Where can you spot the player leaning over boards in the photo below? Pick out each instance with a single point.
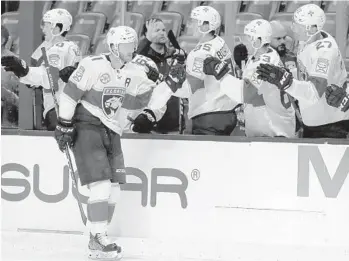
(267, 111)
(211, 112)
(321, 85)
(62, 55)
(106, 96)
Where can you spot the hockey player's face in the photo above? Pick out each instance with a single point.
(46, 30)
(126, 51)
(198, 31)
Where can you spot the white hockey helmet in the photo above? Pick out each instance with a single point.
(58, 16)
(258, 28)
(310, 15)
(206, 14)
(121, 34)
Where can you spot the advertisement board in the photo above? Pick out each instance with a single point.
(275, 193)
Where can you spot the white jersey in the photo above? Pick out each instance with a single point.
(60, 55)
(203, 91)
(268, 112)
(320, 64)
(135, 71)
(107, 93)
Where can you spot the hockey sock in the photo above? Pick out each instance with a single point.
(113, 200)
(97, 206)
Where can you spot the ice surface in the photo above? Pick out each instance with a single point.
(30, 246)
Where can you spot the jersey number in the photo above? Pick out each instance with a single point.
(324, 44)
(284, 97)
(205, 47)
(140, 61)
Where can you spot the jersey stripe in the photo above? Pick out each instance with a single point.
(319, 83)
(195, 83)
(72, 90)
(137, 102)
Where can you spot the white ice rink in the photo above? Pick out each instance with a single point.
(29, 246)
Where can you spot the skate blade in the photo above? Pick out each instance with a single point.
(107, 256)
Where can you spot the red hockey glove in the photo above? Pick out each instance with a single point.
(176, 77)
(337, 97)
(179, 55)
(214, 66)
(278, 76)
(153, 74)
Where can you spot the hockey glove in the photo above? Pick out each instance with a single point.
(15, 65)
(65, 73)
(179, 55)
(153, 74)
(144, 122)
(217, 68)
(240, 54)
(176, 77)
(337, 97)
(278, 76)
(65, 134)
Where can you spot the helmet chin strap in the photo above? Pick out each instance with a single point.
(310, 36)
(254, 48)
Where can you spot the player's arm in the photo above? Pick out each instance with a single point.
(306, 92)
(171, 85)
(36, 76)
(137, 97)
(229, 84)
(80, 81)
(313, 89)
(27, 75)
(158, 97)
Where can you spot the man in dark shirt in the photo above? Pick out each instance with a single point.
(154, 46)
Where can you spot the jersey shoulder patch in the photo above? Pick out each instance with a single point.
(195, 62)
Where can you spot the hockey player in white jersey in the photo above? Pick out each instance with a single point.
(211, 112)
(93, 112)
(62, 55)
(267, 111)
(142, 69)
(321, 85)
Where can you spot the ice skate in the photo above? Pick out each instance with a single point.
(101, 248)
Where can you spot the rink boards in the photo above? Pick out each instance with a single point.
(202, 193)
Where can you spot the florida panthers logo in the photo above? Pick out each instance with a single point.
(112, 100)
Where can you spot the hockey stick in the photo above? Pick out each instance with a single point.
(174, 42)
(298, 116)
(53, 87)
